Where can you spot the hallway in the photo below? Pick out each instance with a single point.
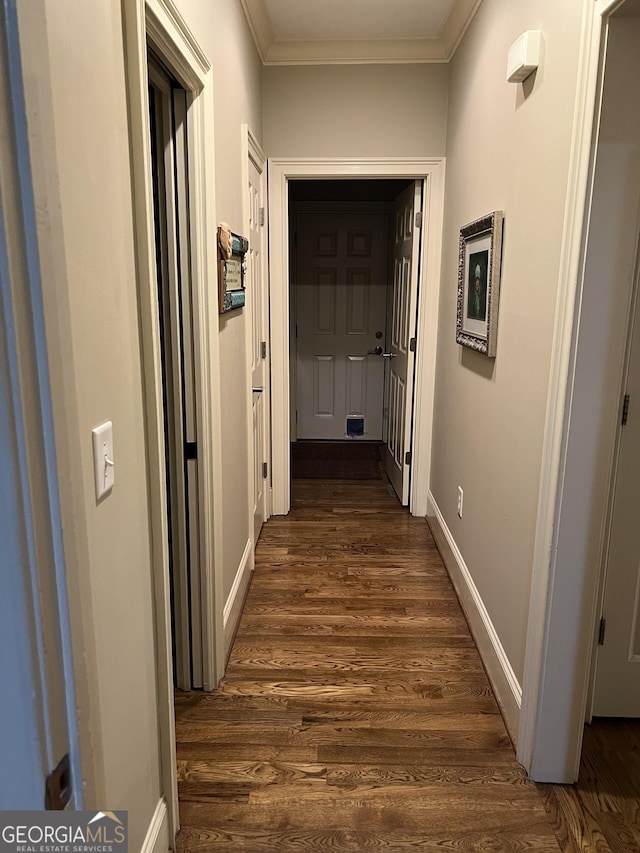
(355, 713)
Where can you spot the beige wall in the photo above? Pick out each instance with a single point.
(507, 149)
(226, 40)
(78, 129)
(504, 151)
(75, 71)
(355, 110)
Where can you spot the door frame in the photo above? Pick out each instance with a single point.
(282, 170)
(573, 496)
(158, 24)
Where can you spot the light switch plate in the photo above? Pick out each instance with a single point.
(103, 467)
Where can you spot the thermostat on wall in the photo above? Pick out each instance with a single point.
(524, 56)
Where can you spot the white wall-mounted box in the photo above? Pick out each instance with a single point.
(524, 56)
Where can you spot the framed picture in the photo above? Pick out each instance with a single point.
(479, 263)
(231, 269)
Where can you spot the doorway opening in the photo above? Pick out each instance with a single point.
(612, 255)
(284, 171)
(169, 173)
(353, 290)
(584, 421)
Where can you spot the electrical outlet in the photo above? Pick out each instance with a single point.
(460, 499)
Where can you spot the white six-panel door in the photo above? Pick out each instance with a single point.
(340, 296)
(258, 305)
(401, 328)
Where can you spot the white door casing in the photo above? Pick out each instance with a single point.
(340, 304)
(258, 346)
(159, 24)
(281, 171)
(401, 316)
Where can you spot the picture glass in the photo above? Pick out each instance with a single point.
(233, 274)
(478, 268)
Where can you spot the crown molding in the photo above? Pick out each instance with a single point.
(357, 52)
(457, 24)
(260, 26)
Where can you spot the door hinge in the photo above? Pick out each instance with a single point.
(407, 458)
(261, 216)
(263, 349)
(190, 450)
(625, 410)
(601, 631)
(418, 219)
(412, 345)
(265, 470)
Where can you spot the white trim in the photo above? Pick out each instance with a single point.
(457, 25)
(167, 29)
(356, 52)
(496, 663)
(159, 23)
(157, 838)
(237, 594)
(281, 170)
(260, 26)
(556, 673)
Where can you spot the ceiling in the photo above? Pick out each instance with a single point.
(318, 32)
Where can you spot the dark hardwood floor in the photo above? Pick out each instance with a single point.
(355, 714)
(601, 813)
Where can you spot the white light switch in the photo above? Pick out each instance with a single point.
(103, 461)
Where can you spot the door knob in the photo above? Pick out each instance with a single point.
(376, 351)
(388, 354)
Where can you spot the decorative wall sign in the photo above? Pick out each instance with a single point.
(479, 263)
(232, 267)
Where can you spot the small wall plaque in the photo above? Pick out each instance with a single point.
(232, 250)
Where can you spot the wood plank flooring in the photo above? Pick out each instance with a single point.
(355, 714)
(601, 813)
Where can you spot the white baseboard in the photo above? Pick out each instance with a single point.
(501, 675)
(157, 837)
(235, 602)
